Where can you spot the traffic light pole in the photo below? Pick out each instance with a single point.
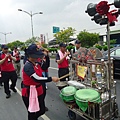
(109, 68)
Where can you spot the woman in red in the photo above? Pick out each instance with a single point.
(32, 89)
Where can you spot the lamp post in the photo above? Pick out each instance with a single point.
(5, 35)
(31, 15)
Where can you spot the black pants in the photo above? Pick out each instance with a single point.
(62, 72)
(1, 80)
(6, 76)
(35, 115)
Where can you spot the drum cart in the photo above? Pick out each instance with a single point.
(105, 85)
(107, 109)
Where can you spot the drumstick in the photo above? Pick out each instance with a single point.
(65, 75)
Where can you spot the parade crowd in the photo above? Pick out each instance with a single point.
(34, 74)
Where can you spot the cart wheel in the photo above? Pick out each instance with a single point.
(71, 115)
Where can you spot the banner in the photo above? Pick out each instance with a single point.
(81, 71)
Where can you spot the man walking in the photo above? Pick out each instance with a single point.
(16, 63)
(7, 70)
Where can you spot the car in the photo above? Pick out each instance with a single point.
(115, 54)
(22, 54)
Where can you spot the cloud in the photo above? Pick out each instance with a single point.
(61, 13)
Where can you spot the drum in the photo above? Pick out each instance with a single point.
(61, 84)
(67, 93)
(84, 96)
(76, 84)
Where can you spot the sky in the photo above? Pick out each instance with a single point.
(59, 13)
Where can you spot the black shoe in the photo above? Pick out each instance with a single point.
(8, 96)
(1, 84)
(46, 109)
(13, 89)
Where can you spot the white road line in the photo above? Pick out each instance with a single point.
(43, 116)
(53, 68)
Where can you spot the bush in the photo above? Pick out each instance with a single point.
(69, 47)
(98, 46)
(105, 47)
(52, 49)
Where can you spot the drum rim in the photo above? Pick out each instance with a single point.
(87, 100)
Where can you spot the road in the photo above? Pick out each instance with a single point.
(14, 109)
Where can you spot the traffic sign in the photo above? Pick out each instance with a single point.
(56, 29)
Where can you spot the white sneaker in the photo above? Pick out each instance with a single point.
(46, 87)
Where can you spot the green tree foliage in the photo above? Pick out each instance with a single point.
(64, 35)
(16, 43)
(98, 46)
(88, 39)
(31, 40)
(44, 45)
(112, 42)
(70, 47)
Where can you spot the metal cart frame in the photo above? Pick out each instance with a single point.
(107, 109)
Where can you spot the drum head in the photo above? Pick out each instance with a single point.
(87, 95)
(61, 84)
(69, 90)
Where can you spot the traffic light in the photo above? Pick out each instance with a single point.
(101, 14)
(91, 9)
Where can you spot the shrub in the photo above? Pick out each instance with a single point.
(98, 46)
(105, 47)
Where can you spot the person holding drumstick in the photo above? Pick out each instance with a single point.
(62, 61)
(32, 83)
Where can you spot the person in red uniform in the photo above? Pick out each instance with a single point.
(32, 89)
(1, 82)
(62, 60)
(45, 62)
(17, 64)
(7, 70)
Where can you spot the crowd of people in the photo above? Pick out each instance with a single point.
(34, 74)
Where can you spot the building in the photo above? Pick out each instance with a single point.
(55, 43)
(114, 35)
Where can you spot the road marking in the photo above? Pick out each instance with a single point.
(53, 68)
(43, 116)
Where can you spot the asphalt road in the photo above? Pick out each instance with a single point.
(14, 109)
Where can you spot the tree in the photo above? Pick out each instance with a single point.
(112, 42)
(16, 43)
(44, 45)
(88, 39)
(31, 40)
(64, 35)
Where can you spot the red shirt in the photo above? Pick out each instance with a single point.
(7, 65)
(27, 80)
(64, 64)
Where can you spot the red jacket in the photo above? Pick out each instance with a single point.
(7, 65)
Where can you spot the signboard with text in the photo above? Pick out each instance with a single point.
(56, 29)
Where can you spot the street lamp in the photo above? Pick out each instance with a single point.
(31, 15)
(5, 35)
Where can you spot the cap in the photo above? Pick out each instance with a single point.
(77, 42)
(15, 47)
(34, 52)
(4, 46)
(62, 45)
